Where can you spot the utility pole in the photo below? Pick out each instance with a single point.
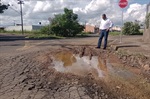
(21, 2)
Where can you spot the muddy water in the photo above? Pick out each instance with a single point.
(68, 62)
(114, 74)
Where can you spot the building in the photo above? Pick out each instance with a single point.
(25, 28)
(91, 29)
(116, 28)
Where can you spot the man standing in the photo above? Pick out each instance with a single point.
(105, 26)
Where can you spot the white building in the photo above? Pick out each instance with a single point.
(116, 28)
(25, 28)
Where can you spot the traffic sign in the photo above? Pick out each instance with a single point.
(123, 3)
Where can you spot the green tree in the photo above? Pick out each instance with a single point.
(131, 28)
(127, 28)
(3, 7)
(66, 24)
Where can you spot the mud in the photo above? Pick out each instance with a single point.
(104, 66)
(79, 72)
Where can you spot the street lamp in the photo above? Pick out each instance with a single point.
(21, 2)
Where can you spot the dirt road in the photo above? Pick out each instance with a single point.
(66, 69)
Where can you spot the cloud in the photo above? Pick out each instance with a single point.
(88, 11)
(135, 12)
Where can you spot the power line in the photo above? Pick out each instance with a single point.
(14, 9)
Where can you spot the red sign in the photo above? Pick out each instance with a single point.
(123, 3)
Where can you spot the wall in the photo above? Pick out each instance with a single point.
(36, 27)
(18, 28)
(25, 28)
(89, 28)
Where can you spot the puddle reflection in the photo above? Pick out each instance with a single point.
(67, 58)
(68, 62)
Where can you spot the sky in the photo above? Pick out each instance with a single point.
(89, 11)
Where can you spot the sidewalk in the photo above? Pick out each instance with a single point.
(132, 44)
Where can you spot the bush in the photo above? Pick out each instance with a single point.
(45, 30)
(65, 25)
(131, 28)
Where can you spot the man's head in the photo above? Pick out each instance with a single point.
(104, 16)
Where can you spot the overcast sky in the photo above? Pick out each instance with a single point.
(89, 11)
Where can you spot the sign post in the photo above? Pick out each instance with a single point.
(122, 4)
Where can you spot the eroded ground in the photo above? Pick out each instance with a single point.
(71, 72)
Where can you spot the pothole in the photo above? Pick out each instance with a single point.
(102, 65)
(73, 63)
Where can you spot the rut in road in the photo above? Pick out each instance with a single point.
(33, 76)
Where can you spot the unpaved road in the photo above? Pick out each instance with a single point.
(29, 69)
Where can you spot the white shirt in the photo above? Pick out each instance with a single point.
(105, 24)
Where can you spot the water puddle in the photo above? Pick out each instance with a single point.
(68, 62)
(114, 74)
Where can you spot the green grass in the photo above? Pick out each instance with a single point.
(39, 35)
(19, 32)
(114, 33)
(33, 34)
(43, 36)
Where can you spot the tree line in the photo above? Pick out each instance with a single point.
(67, 24)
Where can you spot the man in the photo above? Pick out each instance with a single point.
(105, 26)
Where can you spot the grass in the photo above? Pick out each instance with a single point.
(38, 35)
(114, 33)
(118, 33)
(17, 32)
(44, 36)
(32, 34)
(82, 34)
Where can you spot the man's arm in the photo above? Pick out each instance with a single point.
(110, 26)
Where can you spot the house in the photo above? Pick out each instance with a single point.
(26, 28)
(91, 29)
(116, 28)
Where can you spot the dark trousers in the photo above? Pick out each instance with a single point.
(103, 33)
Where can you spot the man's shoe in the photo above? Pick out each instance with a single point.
(104, 48)
(97, 47)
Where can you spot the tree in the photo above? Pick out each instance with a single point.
(126, 28)
(45, 30)
(3, 7)
(131, 28)
(66, 24)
